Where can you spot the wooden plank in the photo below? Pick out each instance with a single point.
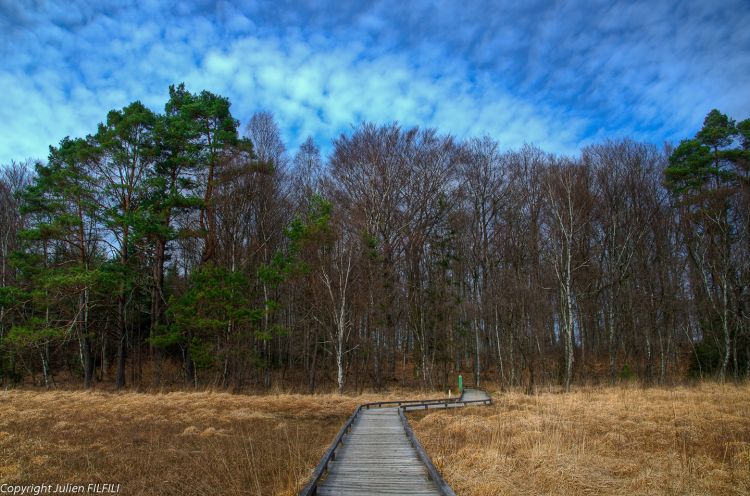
(381, 456)
(377, 458)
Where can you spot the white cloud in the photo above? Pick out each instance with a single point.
(557, 75)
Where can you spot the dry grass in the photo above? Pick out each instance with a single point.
(173, 443)
(594, 441)
(597, 441)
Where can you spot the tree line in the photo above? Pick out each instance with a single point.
(177, 248)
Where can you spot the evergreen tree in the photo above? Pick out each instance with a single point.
(708, 176)
(61, 246)
(127, 154)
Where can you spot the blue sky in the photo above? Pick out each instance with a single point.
(557, 74)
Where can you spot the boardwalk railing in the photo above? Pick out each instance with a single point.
(381, 404)
(442, 486)
(444, 404)
(312, 488)
(330, 455)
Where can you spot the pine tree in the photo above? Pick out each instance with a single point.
(59, 263)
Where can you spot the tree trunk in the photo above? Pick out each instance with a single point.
(105, 360)
(340, 343)
(611, 344)
(45, 364)
(207, 215)
(88, 362)
(340, 369)
(313, 362)
(190, 376)
(120, 372)
(477, 364)
(569, 342)
(725, 329)
(157, 293)
(500, 368)
(662, 357)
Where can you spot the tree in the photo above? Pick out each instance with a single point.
(483, 181)
(322, 252)
(62, 203)
(368, 180)
(216, 300)
(14, 178)
(127, 153)
(621, 184)
(520, 306)
(406, 256)
(171, 191)
(213, 132)
(568, 210)
(265, 135)
(708, 177)
(307, 171)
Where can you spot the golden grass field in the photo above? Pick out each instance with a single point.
(185, 443)
(594, 441)
(606, 441)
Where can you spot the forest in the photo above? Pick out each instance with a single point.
(182, 250)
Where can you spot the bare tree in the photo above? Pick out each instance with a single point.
(308, 170)
(265, 135)
(14, 177)
(568, 210)
(618, 175)
(483, 181)
(335, 275)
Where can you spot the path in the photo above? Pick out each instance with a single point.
(379, 458)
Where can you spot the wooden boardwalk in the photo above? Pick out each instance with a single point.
(378, 458)
(474, 395)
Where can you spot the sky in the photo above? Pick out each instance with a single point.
(560, 75)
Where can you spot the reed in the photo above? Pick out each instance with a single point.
(596, 441)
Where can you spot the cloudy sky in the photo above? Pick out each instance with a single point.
(557, 74)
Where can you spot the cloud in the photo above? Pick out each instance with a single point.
(556, 74)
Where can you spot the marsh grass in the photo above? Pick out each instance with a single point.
(626, 440)
(185, 443)
(596, 441)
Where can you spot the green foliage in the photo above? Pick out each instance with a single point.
(370, 243)
(126, 132)
(69, 278)
(202, 353)
(690, 166)
(718, 130)
(627, 373)
(172, 187)
(276, 271)
(101, 208)
(205, 119)
(708, 159)
(34, 332)
(11, 296)
(313, 226)
(705, 359)
(305, 232)
(215, 298)
(168, 336)
(743, 129)
(62, 193)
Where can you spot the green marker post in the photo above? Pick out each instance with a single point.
(460, 384)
